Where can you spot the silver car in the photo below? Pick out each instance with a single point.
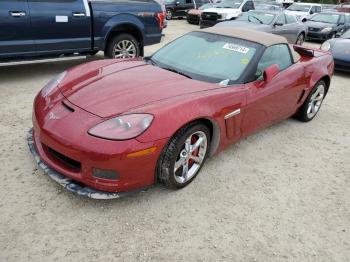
(275, 22)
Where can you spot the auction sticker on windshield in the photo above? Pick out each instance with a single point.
(236, 48)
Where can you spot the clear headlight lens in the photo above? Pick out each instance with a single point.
(326, 30)
(326, 46)
(50, 86)
(122, 127)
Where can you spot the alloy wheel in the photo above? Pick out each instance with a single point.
(191, 157)
(315, 101)
(125, 49)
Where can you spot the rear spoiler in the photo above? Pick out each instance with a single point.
(303, 51)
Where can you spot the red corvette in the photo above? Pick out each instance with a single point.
(109, 127)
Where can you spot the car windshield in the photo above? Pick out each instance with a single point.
(229, 4)
(346, 35)
(300, 8)
(257, 17)
(207, 57)
(325, 18)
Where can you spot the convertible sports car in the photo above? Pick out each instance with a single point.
(109, 127)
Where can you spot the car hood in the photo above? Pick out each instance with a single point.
(113, 88)
(318, 24)
(341, 49)
(254, 26)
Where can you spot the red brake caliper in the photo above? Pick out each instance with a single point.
(195, 153)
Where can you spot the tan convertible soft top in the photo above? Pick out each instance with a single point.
(263, 38)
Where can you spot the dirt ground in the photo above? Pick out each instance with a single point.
(282, 194)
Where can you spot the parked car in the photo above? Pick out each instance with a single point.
(54, 28)
(180, 8)
(304, 11)
(194, 15)
(326, 25)
(345, 8)
(189, 101)
(225, 10)
(340, 49)
(273, 22)
(285, 3)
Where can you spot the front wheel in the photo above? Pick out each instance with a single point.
(312, 103)
(123, 46)
(169, 14)
(184, 156)
(300, 39)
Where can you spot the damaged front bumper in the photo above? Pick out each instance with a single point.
(70, 184)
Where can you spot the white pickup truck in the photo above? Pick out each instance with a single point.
(225, 10)
(303, 11)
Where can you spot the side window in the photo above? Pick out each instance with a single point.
(347, 17)
(341, 20)
(189, 1)
(290, 19)
(248, 6)
(318, 9)
(313, 10)
(276, 54)
(281, 19)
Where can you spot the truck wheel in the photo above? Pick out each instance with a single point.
(169, 14)
(123, 46)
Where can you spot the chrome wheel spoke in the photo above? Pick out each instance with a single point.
(197, 144)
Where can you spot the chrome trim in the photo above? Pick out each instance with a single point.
(234, 113)
(87, 8)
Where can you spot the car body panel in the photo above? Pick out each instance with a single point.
(62, 118)
(340, 49)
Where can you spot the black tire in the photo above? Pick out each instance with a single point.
(169, 14)
(300, 39)
(302, 113)
(109, 52)
(165, 169)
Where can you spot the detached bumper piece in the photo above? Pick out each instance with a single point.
(70, 184)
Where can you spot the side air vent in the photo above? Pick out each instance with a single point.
(68, 107)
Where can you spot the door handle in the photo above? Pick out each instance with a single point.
(17, 13)
(79, 14)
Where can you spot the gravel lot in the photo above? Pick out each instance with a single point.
(282, 194)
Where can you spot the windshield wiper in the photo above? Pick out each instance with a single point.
(176, 71)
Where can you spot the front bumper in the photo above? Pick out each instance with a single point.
(318, 36)
(70, 184)
(341, 65)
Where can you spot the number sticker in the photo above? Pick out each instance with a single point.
(236, 48)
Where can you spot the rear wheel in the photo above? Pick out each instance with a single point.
(312, 103)
(123, 46)
(184, 156)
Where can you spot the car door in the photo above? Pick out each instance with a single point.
(280, 26)
(180, 8)
(291, 28)
(15, 30)
(277, 99)
(61, 25)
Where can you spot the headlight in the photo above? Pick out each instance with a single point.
(326, 46)
(50, 86)
(122, 127)
(326, 30)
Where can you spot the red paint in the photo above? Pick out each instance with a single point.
(100, 90)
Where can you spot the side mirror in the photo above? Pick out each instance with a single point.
(270, 72)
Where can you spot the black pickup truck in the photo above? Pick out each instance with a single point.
(41, 28)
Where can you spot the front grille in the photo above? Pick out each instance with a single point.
(314, 29)
(64, 159)
(210, 16)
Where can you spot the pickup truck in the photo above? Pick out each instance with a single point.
(52, 28)
(225, 10)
